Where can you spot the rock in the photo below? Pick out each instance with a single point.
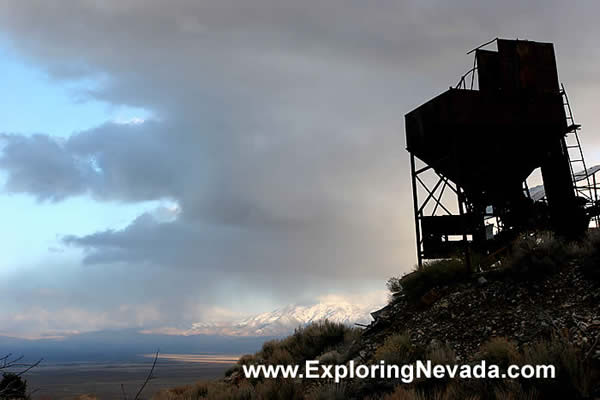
(430, 297)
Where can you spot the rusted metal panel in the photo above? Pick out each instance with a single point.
(442, 225)
(467, 135)
(488, 70)
(529, 66)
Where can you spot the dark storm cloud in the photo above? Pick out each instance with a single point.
(277, 126)
(41, 166)
(100, 162)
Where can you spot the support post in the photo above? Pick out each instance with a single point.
(595, 198)
(467, 250)
(413, 174)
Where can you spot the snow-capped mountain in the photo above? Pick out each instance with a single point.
(284, 320)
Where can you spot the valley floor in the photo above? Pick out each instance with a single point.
(67, 381)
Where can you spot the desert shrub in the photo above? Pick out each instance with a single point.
(330, 358)
(571, 380)
(275, 352)
(351, 335)
(243, 391)
(440, 354)
(397, 349)
(309, 342)
(268, 348)
(515, 391)
(281, 356)
(328, 341)
(199, 390)
(460, 390)
(535, 255)
(246, 359)
(589, 255)
(279, 389)
(12, 386)
(402, 393)
(499, 351)
(208, 391)
(328, 391)
(229, 371)
(433, 273)
(394, 286)
(350, 345)
(572, 374)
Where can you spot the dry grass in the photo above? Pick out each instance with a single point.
(589, 255)
(396, 349)
(573, 375)
(433, 273)
(534, 255)
(306, 343)
(328, 391)
(440, 354)
(572, 381)
(402, 393)
(328, 341)
(499, 351)
(208, 391)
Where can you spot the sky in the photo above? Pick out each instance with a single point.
(165, 163)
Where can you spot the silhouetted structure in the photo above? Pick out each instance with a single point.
(483, 144)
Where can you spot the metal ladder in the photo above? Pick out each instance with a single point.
(573, 145)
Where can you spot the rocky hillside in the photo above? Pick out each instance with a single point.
(489, 305)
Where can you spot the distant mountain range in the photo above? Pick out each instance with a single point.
(233, 337)
(284, 320)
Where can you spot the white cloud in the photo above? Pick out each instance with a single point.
(130, 121)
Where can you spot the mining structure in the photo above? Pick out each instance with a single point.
(473, 147)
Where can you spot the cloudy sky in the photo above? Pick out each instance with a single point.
(169, 162)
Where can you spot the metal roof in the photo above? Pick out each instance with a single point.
(537, 192)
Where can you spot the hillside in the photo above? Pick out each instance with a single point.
(539, 305)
